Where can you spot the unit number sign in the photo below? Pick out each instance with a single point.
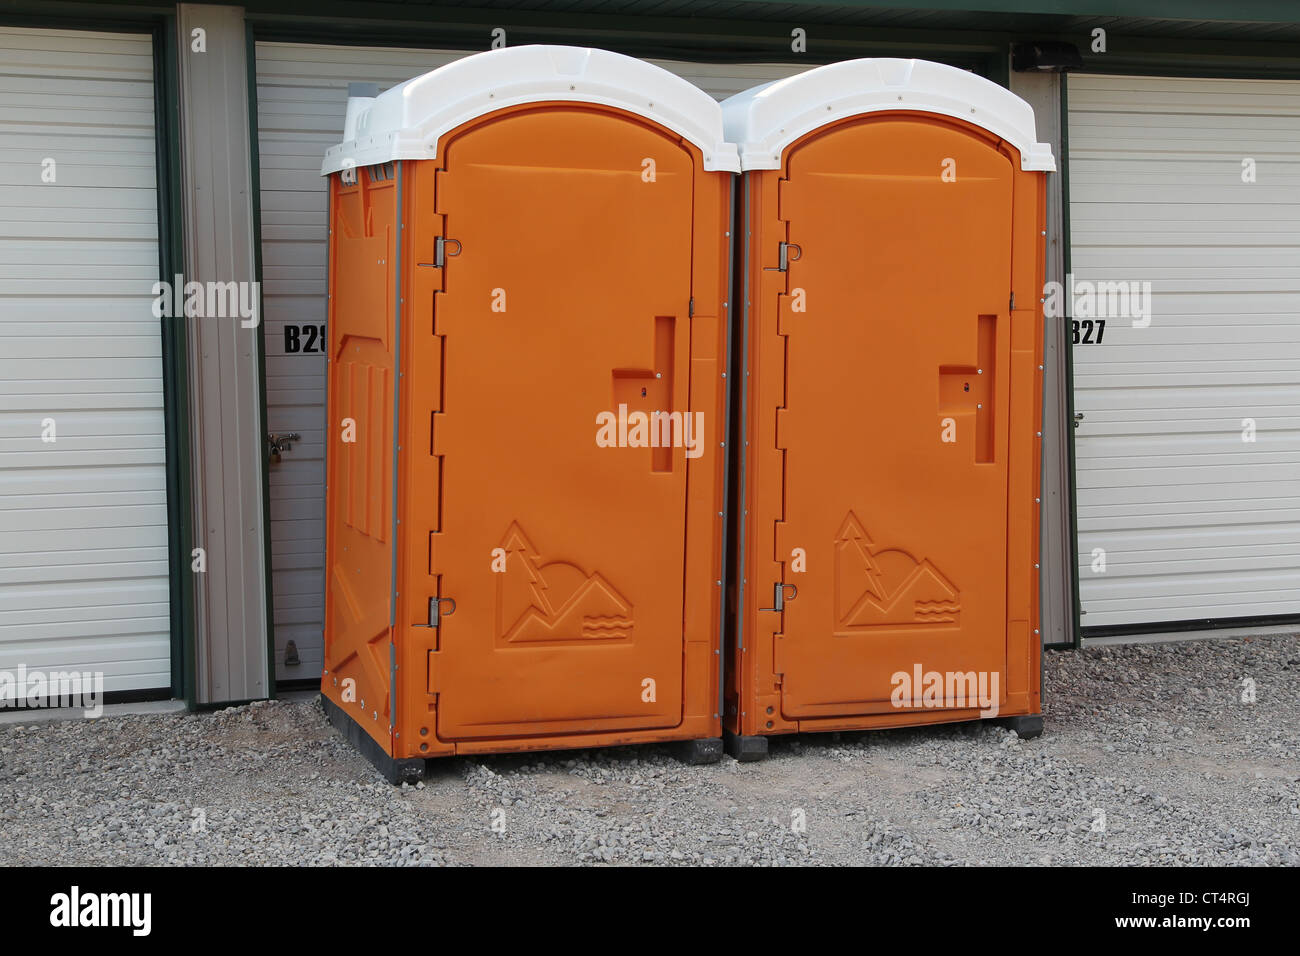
(1088, 331)
(304, 338)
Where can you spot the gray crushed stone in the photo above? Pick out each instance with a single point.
(1150, 757)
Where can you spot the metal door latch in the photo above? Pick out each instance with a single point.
(785, 258)
(441, 252)
(1078, 417)
(276, 444)
(779, 598)
(434, 604)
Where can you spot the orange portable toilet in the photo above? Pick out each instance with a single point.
(890, 351)
(528, 334)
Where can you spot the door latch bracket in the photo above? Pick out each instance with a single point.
(441, 252)
(785, 258)
(434, 617)
(779, 598)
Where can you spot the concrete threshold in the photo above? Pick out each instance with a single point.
(1208, 634)
(40, 715)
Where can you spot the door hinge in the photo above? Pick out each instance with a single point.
(690, 307)
(784, 258)
(441, 252)
(1013, 303)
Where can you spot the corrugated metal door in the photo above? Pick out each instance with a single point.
(1188, 449)
(83, 518)
(301, 100)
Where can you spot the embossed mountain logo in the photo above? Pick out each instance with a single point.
(556, 602)
(887, 586)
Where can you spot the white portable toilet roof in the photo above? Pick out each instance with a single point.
(407, 121)
(764, 120)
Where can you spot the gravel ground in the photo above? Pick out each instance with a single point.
(1150, 757)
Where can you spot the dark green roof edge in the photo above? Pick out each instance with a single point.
(1174, 12)
(1239, 11)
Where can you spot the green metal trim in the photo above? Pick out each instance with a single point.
(690, 38)
(255, 188)
(1265, 11)
(100, 18)
(1179, 11)
(999, 68)
(175, 354)
(1190, 56)
(1279, 622)
(1215, 11)
(1067, 343)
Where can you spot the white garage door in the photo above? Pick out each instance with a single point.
(301, 99)
(83, 518)
(1188, 450)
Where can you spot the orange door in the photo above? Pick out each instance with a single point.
(895, 418)
(568, 298)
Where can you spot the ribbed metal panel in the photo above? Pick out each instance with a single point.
(1195, 522)
(83, 520)
(226, 414)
